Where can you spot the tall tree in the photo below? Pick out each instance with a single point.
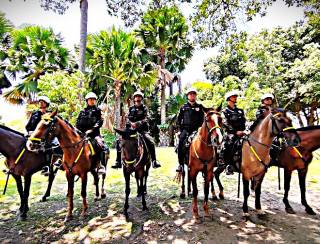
(34, 52)
(164, 33)
(114, 59)
(5, 42)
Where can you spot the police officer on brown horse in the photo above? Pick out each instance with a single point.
(44, 103)
(137, 118)
(234, 123)
(89, 122)
(265, 106)
(190, 118)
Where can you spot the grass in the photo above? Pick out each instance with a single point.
(45, 220)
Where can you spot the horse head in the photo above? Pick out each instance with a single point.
(282, 127)
(44, 133)
(131, 146)
(213, 121)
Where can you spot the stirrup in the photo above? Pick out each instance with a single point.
(179, 169)
(229, 170)
(101, 170)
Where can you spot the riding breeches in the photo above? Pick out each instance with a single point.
(181, 147)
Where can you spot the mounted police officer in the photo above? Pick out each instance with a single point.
(89, 122)
(265, 106)
(34, 120)
(137, 118)
(190, 118)
(234, 123)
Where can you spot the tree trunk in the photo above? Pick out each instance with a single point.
(117, 112)
(163, 88)
(171, 89)
(179, 85)
(83, 36)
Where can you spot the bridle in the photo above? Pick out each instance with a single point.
(210, 130)
(140, 152)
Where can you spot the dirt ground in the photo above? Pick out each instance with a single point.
(168, 219)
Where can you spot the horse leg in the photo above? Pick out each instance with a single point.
(103, 191)
(20, 191)
(287, 179)
(70, 179)
(144, 204)
(217, 173)
(257, 196)
(84, 180)
(246, 193)
(96, 183)
(146, 174)
(52, 174)
(138, 188)
(195, 213)
(126, 205)
(302, 173)
(183, 190)
(26, 191)
(207, 180)
(189, 181)
(213, 192)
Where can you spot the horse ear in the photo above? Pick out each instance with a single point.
(206, 109)
(54, 112)
(219, 107)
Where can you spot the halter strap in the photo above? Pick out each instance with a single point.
(20, 155)
(34, 139)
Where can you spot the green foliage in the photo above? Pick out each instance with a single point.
(282, 61)
(62, 89)
(34, 52)
(154, 119)
(174, 103)
(109, 137)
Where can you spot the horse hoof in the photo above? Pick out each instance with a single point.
(182, 195)
(196, 220)
(103, 196)
(67, 218)
(22, 218)
(310, 211)
(139, 196)
(96, 199)
(43, 199)
(246, 216)
(290, 211)
(221, 196)
(145, 208)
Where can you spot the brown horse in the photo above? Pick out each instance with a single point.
(202, 157)
(135, 158)
(22, 163)
(256, 153)
(78, 155)
(298, 159)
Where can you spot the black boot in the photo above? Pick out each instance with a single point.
(155, 164)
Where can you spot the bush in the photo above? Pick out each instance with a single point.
(109, 138)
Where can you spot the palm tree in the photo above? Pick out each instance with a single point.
(5, 29)
(34, 52)
(114, 60)
(164, 33)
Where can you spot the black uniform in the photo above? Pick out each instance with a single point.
(260, 115)
(190, 118)
(140, 116)
(90, 119)
(233, 121)
(34, 121)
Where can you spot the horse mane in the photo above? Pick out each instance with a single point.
(307, 128)
(74, 130)
(11, 130)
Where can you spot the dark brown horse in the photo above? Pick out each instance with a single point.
(79, 157)
(298, 159)
(135, 158)
(202, 157)
(256, 153)
(22, 163)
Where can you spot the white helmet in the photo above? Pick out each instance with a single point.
(191, 89)
(267, 95)
(231, 93)
(138, 93)
(45, 99)
(91, 95)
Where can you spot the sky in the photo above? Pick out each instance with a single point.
(21, 12)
